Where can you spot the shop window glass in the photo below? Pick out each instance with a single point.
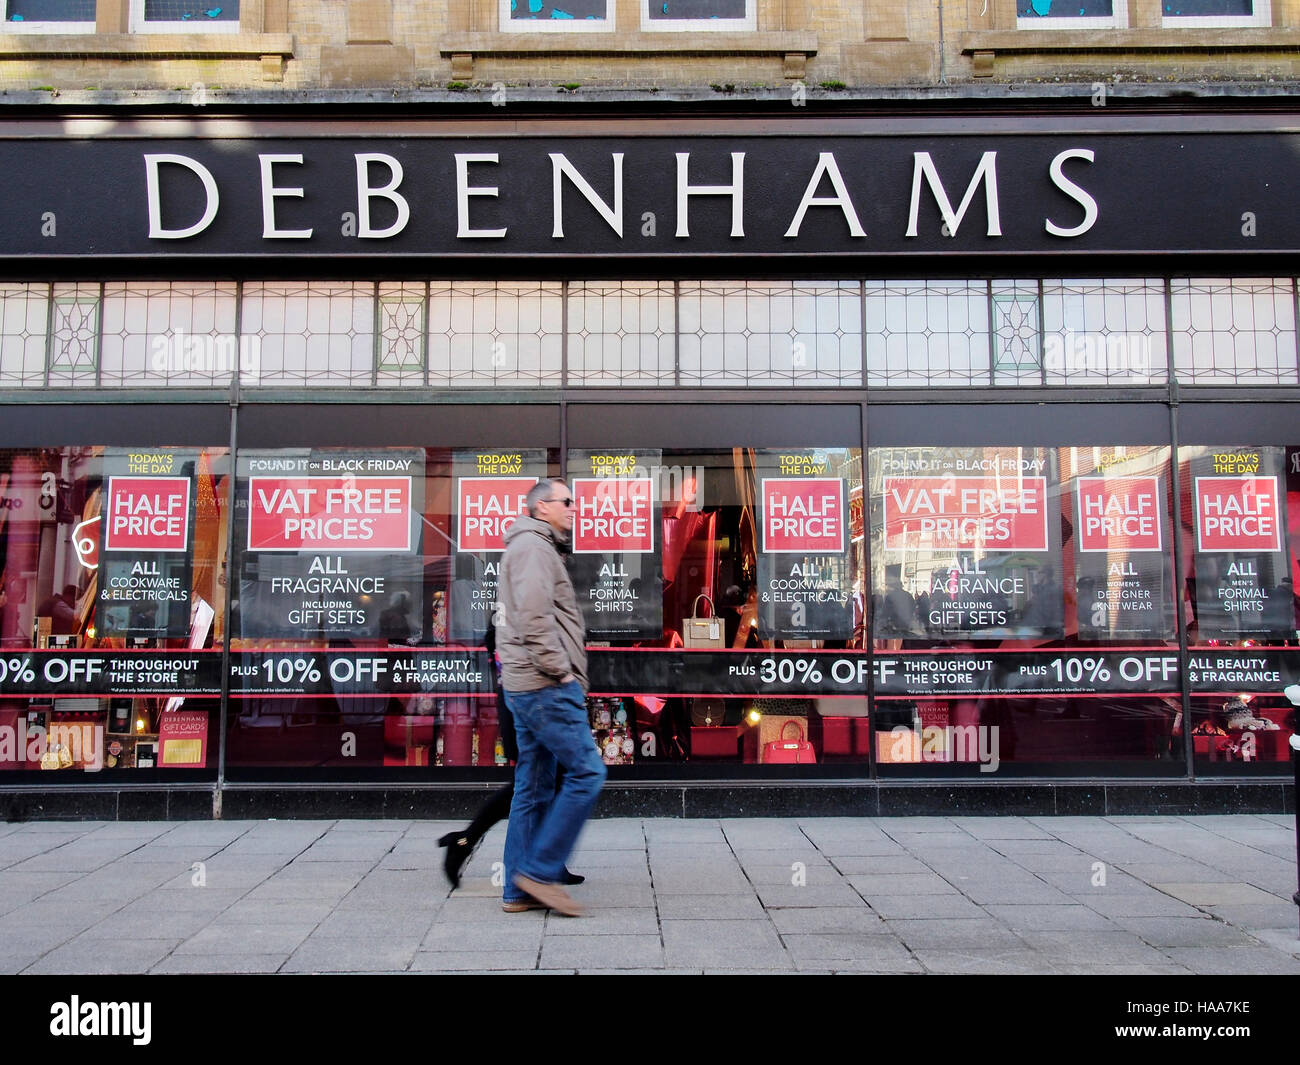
(1216, 12)
(1240, 331)
(24, 318)
(402, 323)
(184, 16)
(1240, 510)
(621, 333)
(927, 332)
(697, 15)
(1104, 332)
(74, 334)
(1023, 607)
(366, 579)
(770, 332)
(112, 609)
(50, 16)
(556, 16)
(495, 333)
(174, 333)
(1071, 14)
(317, 333)
(1017, 333)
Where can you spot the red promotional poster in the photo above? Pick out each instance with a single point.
(966, 513)
(614, 514)
(183, 739)
(329, 514)
(147, 514)
(804, 515)
(1238, 514)
(1119, 513)
(488, 507)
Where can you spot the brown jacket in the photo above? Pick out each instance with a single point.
(540, 634)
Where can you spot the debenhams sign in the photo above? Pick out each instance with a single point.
(603, 196)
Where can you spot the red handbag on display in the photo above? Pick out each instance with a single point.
(789, 752)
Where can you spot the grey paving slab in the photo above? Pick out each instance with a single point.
(776, 896)
(474, 961)
(1183, 931)
(263, 912)
(350, 956)
(1244, 960)
(91, 957)
(901, 884)
(830, 920)
(841, 848)
(661, 831)
(220, 963)
(394, 924)
(1277, 914)
(944, 933)
(615, 920)
(1050, 917)
(1000, 828)
(1217, 894)
(864, 967)
(1284, 939)
(794, 874)
(604, 952)
(155, 925)
(1149, 903)
(508, 932)
(1176, 873)
(905, 906)
(730, 944)
(711, 907)
(992, 962)
(845, 946)
(244, 937)
(880, 864)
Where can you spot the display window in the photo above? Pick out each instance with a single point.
(1240, 510)
(112, 609)
(1023, 607)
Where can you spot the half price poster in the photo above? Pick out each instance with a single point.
(1123, 561)
(805, 579)
(490, 488)
(1243, 579)
(146, 544)
(328, 544)
(617, 565)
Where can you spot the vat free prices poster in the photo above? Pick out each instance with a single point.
(967, 543)
(328, 544)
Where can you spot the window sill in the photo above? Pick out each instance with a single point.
(1131, 40)
(667, 43)
(146, 45)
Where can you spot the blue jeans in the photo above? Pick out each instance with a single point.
(551, 727)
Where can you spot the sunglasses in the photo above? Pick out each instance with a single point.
(567, 501)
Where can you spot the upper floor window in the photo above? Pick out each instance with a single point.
(1216, 12)
(697, 15)
(1071, 14)
(184, 16)
(566, 16)
(49, 16)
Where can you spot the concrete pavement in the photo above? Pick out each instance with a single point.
(892, 895)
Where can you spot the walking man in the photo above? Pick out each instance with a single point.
(541, 642)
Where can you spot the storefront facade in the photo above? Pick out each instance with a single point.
(922, 462)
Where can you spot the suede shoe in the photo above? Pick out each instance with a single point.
(521, 905)
(552, 896)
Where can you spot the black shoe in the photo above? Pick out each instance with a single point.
(571, 878)
(459, 848)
